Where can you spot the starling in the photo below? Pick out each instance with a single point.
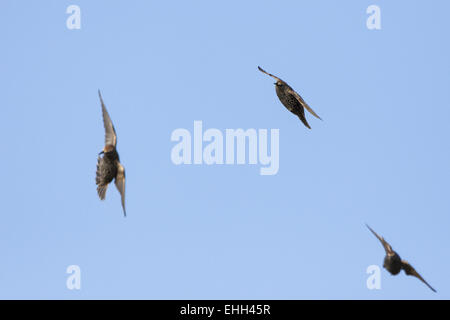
(108, 166)
(394, 264)
(291, 99)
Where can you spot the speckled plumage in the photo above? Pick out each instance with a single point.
(291, 99)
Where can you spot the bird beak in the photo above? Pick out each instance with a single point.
(101, 152)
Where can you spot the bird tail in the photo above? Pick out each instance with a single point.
(102, 185)
(303, 119)
(101, 190)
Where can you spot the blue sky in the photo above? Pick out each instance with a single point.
(380, 156)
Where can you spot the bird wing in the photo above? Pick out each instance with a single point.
(120, 184)
(302, 102)
(110, 132)
(261, 69)
(410, 271)
(386, 245)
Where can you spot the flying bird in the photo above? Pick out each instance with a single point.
(394, 264)
(108, 166)
(291, 99)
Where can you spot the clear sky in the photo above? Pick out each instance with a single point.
(380, 156)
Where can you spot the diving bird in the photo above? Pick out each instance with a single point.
(108, 166)
(291, 99)
(394, 264)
